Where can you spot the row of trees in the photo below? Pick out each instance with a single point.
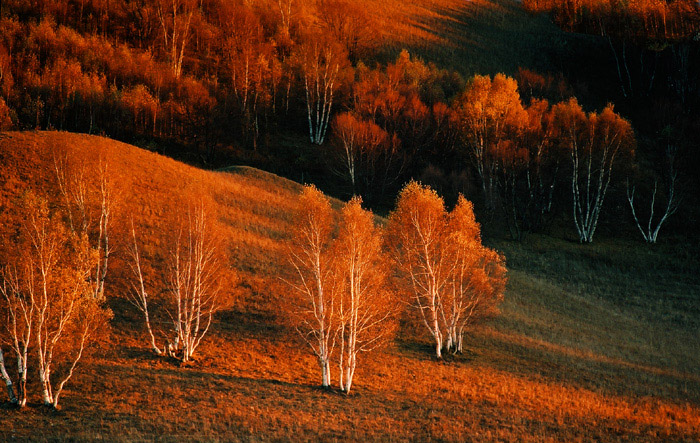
(211, 73)
(654, 51)
(183, 65)
(649, 40)
(56, 251)
(522, 154)
(349, 280)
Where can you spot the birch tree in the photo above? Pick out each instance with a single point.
(650, 230)
(192, 280)
(193, 291)
(50, 302)
(452, 279)
(88, 200)
(138, 296)
(359, 143)
(320, 62)
(364, 303)
(415, 233)
(19, 309)
(7, 380)
(477, 281)
(175, 18)
(488, 110)
(594, 142)
(528, 170)
(308, 253)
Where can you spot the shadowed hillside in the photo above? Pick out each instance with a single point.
(594, 342)
(478, 37)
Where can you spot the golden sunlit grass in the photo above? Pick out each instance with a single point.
(594, 343)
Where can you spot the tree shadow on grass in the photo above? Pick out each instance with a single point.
(574, 367)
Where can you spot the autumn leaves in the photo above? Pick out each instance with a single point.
(349, 281)
(51, 288)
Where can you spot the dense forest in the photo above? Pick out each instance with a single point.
(216, 83)
(474, 220)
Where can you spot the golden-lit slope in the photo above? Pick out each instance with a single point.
(568, 360)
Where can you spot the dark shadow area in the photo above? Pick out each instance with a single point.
(595, 373)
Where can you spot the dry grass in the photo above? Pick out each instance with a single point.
(594, 343)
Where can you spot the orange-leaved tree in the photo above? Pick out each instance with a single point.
(309, 254)
(364, 305)
(477, 281)
(451, 277)
(415, 238)
(47, 297)
(359, 144)
(489, 112)
(594, 143)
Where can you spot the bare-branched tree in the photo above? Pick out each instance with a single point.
(193, 292)
(651, 231)
(138, 295)
(89, 207)
(193, 283)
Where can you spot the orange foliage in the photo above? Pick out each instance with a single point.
(647, 21)
(444, 270)
(252, 380)
(365, 305)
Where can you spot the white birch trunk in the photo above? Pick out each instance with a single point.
(8, 381)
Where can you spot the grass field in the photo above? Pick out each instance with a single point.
(594, 343)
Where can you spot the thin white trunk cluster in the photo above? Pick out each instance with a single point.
(192, 282)
(192, 287)
(20, 327)
(89, 208)
(340, 282)
(590, 179)
(49, 304)
(138, 295)
(364, 305)
(650, 231)
(451, 278)
(594, 141)
(310, 258)
(56, 308)
(175, 23)
(320, 83)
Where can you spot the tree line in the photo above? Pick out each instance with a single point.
(211, 75)
(654, 52)
(350, 276)
(350, 281)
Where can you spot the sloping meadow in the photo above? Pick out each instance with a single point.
(561, 363)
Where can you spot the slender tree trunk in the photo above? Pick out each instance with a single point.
(8, 381)
(22, 376)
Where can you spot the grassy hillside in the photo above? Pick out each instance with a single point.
(479, 37)
(594, 342)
